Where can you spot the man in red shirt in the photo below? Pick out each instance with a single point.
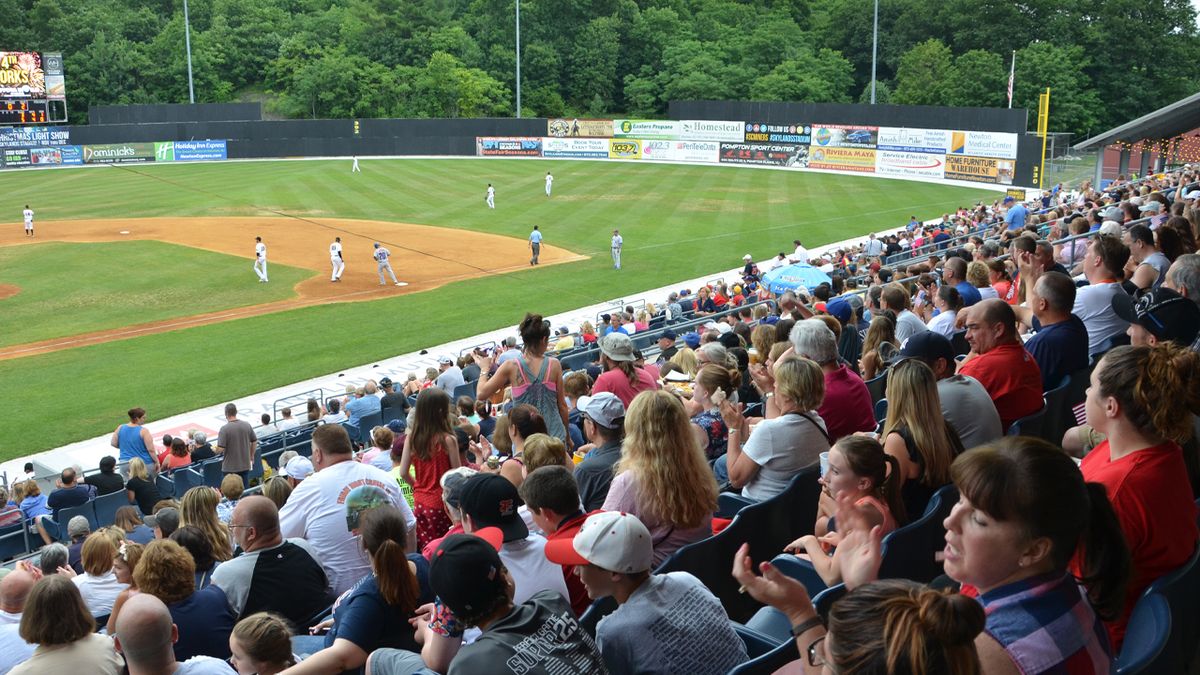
(1000, 363)
(847, 406)
(552, 498)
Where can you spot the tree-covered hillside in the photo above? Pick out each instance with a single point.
(1107, 61)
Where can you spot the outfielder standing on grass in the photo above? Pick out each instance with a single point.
(260, 259)
(617, 242)
(491, 197)
(382, 256)
(355, 169)
(335, 259)
(549, 182)
(28, 214)
(535, 245)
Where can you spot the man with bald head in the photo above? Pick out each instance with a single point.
(272, 574)
(14, 588)
(145, 635)
(1000, 363)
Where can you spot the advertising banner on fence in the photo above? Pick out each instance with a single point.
(765, 154)
(190, 151)
(71, 154)
(935, 141)
(842, 136)
(118, 152)
(709, 130)
(984, 144)
(33, 137)
(627, 148)
(16, 157)
(517, 146)
(909, 164)
(980, 169)
(658, 130)
(579, 148)
(758, 132)
(577, 128)
(45, 156)
(842, 159)
(681, 151)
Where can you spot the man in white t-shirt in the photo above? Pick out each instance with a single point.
(800, 255)
(260, 260)
(28, 215)
(335, 259)
(549, 181)
(1105, 259)
(316, 510)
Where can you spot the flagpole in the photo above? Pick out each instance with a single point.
(1011, 74)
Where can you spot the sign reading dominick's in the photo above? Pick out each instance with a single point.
(118, 152)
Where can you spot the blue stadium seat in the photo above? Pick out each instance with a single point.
(881, 408)
(394, 413)
(1180, 589)
(960, 344)
(368, 422)
(353, 431)
(184, 480)
(1029, 425)
(14, 541)
(256, 467)
(596, 611)
(908, 552)
(756, 643)
(87, 510)
(166, 486)
(211, 470)
(824, 601)
(107, 505)
(768, 663)
(1146, 638)
(272, 458)
(1058, 416)
(801, 570)
(878, 388)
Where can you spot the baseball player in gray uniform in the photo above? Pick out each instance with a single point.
(383, 262)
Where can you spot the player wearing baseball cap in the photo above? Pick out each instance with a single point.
(664, 623)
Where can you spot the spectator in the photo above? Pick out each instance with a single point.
(199, 508)
(879, 345)
(178, 457)
(1060, 346)
(193, 539)
(286, 421)
(978, 276)
(129, 519)
(15, 588)
(201, 449)
(98, 584)
(536, 379)
(34, 507)
(714, 383)
(51, 558)
(145, 636)
(78, 529)
(954, 273)
(587, 333)
(470, 370)
(666, 345)
(335, 414)
(490, 501)
(165, 522)
(662, 477)
(124, 563)
(236, 443)
(261, 645)
(1183, 277)
(450, 376)
(361, 405)
(846, 406)
(266, 428)
(316, 509)
(613, 555)
(487, 421)
(59, 623)
(948, 303)
(273, 574)
(205, 621)
(1015, 214)
(108, 480)
(1160, 315)
(70, 493)
(788, 441)
(277, 489)
(1149, 265)
(621, 377)
(10, 512)
(1001, 281)
(134, 440)
(430, 450)
(1135, 400)
(1000, 363)
(141, 490)
(552, 498)
(380, 453)
(452, 482)
(1103, 267)
(297, 470)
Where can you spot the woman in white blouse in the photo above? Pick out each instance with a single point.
(948, 302)
(98, 584)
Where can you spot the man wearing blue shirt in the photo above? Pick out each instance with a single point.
(954, 273)
(361, 406)
(1016, 214)
(1060, 345)
(535, 237)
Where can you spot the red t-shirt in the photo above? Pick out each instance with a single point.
(615, 382)
(1012, 378)
(847, 406)
(1152, 497)
(575, 588)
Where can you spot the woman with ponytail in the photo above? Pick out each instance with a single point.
(714, 384)
(375, 612)
(1140, 399)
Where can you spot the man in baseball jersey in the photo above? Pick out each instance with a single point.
(28, 213)
(549, 182)
(335, 259)
(383, 262)
(260, 260)
(616, 249)
(491, 197)
(355, 169)
(535, 244)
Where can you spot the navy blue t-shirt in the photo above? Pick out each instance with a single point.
(64, 498)
(969, 294)
(365, 619)
(205, 622)
(1059, 349)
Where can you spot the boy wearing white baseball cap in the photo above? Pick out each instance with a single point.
(664, 623)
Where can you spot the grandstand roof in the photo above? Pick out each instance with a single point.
(1167, 122)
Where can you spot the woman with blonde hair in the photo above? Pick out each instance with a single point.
(544, 450)
(382, 439)
(261, 645)
(98, 584)
(126, 560)
(277, 489)
(978, 275)
(879, 344)
(685, 358)
(761, 338)
(140, 488)
(587, 333)
(713, 385)
(917, 434)
(199, 507)
(662, 477)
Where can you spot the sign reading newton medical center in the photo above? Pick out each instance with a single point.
(984, 144)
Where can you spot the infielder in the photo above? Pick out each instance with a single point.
(535, 245)
(491, 197)
(335, 259)
(28, 213)
(549, 181)
(617, 242)
(355, 169)
(260, 259)
(381, 261)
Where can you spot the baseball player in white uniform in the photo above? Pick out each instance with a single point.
(382, 256)
(355, 169)
(549, 182)
(491, 197)
(617, 242)
(260, 259)
(335, 259)
(28, 214)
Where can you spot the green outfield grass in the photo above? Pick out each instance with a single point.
(678, 222)
(69, 288)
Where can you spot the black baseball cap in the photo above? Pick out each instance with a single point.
(928, 346)
(385, 383)
(1167, 315)
(465, 571)
(492, 501)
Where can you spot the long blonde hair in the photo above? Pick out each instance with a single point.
(674, 482)
(914, 404)
(199, 507)
(137, 469)
(685, 358)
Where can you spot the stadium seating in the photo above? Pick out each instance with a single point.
(1146, 638)
(1029, 425)
(106, 506)
(14, 541)
(1179, 589)
(87, 510)
(908, 552)
(877, 386)
(184, 480)
(782, 654)
(211, 471)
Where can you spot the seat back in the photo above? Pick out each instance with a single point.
(877, 386)
(14, 543)
(1029, 425)
(881, 408)
(390, 413)
(211, 472)
(186, 479)
(1180, 589)
(908, 553)
(756, 643)
(166, 486)
(107, 505)
(824, 600)
(1146, 637)
(596, 611)
(87, 510)
(960, 344)
(353, 432)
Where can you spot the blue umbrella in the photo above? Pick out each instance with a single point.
(790, 278)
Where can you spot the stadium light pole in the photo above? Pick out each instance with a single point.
(518, 4)
(874, 50)
(187, 41)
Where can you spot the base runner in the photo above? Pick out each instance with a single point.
(383, 262)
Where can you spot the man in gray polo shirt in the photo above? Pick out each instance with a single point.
(236, 441)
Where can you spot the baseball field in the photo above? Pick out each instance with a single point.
(138, 288)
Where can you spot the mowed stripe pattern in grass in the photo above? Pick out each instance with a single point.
(678, 222)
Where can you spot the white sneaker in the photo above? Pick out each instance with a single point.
(401, 283)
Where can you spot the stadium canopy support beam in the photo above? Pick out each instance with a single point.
(1099, 175)
(1144, 160)
(1123, 162)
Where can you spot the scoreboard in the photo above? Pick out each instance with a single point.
(32, 88)
(23, 111)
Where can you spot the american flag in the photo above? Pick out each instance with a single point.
(1012, 71)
